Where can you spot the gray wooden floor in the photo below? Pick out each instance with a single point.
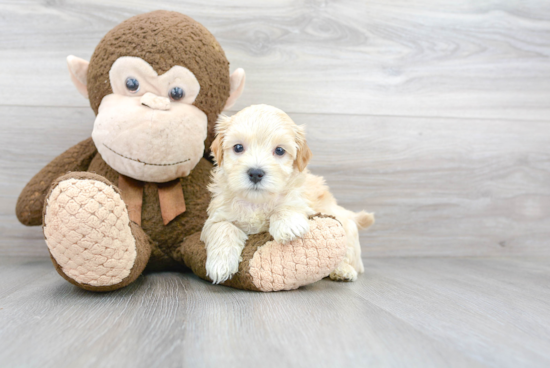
(404, 312)
(433, 114)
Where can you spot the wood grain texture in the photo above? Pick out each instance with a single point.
(413, 312)
(474, 59)
(31, 137)
(459, 187)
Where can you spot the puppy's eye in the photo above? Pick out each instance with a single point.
(238, 148)
(176, 93)
(279, 151)
(132, 84)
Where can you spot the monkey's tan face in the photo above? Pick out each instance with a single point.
(147, 128)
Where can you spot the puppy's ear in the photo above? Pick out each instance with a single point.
(303, 154)
(217, 149)
(217, 146)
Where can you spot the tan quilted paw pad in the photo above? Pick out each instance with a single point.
(87, 230)
(303, 261)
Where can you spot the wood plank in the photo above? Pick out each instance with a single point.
(437, 186)
(479, 306)
(414, 312)
(474, 59)
(319, 325)
(32, 137)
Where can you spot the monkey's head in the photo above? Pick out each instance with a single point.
(157, 83)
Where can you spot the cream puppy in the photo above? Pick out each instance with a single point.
(261, 183)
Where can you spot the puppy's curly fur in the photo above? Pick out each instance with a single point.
(261, 183)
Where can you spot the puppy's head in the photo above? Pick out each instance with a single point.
(259, 150)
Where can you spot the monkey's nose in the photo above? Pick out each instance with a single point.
(155, 102)
(256, 175)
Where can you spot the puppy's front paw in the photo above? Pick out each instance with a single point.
(344, 272)
(288, 228)
(222, 264)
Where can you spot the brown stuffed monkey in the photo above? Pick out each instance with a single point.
(133, 197)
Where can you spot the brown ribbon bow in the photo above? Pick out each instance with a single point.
(172, 202)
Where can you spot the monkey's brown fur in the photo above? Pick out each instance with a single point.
(163, 39)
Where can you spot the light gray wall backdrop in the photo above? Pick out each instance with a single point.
(437, 120)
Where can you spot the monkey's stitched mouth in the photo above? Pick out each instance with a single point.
(142, 162)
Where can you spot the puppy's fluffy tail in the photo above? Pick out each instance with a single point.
(363, 219)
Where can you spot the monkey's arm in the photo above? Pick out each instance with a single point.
(31, 200)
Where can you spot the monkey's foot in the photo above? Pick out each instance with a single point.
(270, 266)
(90, 237)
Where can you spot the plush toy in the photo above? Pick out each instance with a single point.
(133, 197)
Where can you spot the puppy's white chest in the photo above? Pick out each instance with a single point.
(252, 218)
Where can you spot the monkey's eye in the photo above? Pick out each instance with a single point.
(176, 93)
(279, 151)
(238, 148)
(132, 84)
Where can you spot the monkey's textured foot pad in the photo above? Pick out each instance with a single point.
(270, 266)
(303, 261)
(88, 233)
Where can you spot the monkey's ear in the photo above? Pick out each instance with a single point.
(217, 149)
(78, 68)
(303, 154)
(236, 87)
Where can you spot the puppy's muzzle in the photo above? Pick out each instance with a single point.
(256, 175)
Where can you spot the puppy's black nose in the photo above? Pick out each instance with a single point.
(256, 175)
